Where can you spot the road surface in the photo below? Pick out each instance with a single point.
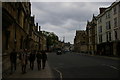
(73, 65)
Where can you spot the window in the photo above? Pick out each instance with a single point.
(7, 39)
(100, 29)
(115, 22)
(108, 25)
(21, 42)
(100, 38)
(119, 7)
(116, 35)
(100, 20)
(115, 10)
(109, 36)
(18, 16)
(82, 43)
(107, 15)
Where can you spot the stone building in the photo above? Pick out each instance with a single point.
(18, 30)
(91, 31)
(43, 43)
(36, 39)
(80, 41)
(15, 25)
(108, 30)
(15, 28)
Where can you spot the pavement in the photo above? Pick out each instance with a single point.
(43, 73)
(108, 57)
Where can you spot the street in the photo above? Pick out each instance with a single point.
(73, 65)
(75, 39)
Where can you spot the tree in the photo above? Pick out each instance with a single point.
(51, 38)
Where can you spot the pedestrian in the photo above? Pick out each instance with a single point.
(24, 60)
(39, 58)
(13, 60)
(32, 59)
(28, 55)
(44, 58)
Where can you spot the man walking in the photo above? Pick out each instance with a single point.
(39, 58)
(13, 60)
(44, 58)
(32, 59)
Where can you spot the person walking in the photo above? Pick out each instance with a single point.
(13, 60)
(23, 60)
(39, 58)
(32, 59)
(44, 58)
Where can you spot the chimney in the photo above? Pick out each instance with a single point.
(36, 28)
(102, 10)
(36, 24)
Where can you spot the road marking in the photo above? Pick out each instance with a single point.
(59, 73)
(110, 66)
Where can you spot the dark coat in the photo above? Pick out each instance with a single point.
(44, 56)
(13, 56)
(32, 57)
(39, 56)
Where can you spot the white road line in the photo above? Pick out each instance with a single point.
(59, 73)
(114, 67)
(110, 66)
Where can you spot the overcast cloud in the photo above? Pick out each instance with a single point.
(64, 18)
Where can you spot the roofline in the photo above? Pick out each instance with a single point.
(108, 8)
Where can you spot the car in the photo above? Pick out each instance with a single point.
(58, 51)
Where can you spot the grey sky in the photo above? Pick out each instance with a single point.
(64, 18)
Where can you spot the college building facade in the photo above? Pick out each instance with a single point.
(103, 32)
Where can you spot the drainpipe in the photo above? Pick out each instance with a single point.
(15, 41)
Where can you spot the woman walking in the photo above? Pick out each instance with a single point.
(23, 57)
